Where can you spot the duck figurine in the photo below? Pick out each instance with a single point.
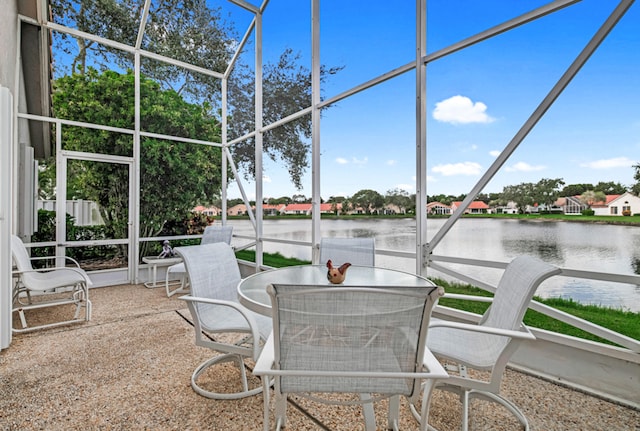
(337, 275)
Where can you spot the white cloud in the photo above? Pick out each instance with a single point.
(524, 167)
(461, 110)
(266, 178)
(392, 162)
(494, 153)
(343, 161)
(616, 162)
(464, 168)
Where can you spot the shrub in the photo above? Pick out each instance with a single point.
(588, 212)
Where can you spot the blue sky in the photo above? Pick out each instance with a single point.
(476, 99)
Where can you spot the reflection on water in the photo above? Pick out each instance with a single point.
(593, 247)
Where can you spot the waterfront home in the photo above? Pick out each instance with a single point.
(438, 208)
(475, 207)
(624, 204)
(211, 211)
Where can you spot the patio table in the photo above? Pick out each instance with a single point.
(154, 262)
(252, 291)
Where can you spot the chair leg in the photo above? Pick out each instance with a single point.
(392, 416)
(515, 411)
(368, 412)
(266, 401)
(230, 357)
(464, 398)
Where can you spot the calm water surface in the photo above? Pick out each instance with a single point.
(593, 247)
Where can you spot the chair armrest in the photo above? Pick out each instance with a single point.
(75, 262)
(525, 334)
(433, 365)
(246, 313)
(78, 271)
(468, 297)
(265, 362)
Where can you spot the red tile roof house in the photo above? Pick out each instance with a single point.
(438, 208)
(210, 211)
(305, 209)
(622, 203)
(237, 210)
(602, 207)
(476, 207)
(273, 210)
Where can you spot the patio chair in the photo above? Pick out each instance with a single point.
(71, 282)
(349, 340)
(214, 276)
(211, 234)
(489, 345)
(356, 251)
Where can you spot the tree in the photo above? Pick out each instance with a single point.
(522, 194)
(575, 189)
(286, 90)
(547, 191)
(610, 188)
(399, 198)
(190, 31)
(174, 177)
(369, 200)
(635, 189)
(590, 197)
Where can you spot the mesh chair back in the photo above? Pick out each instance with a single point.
(347, 339)
(213, 273)
(515, 290)
(357, 251)
(20, 256)
(217, 234)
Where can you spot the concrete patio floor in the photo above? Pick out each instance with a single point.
(130, 368)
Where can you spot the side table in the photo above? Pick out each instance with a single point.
(154, 262)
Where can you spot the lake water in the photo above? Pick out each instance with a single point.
(581, 246)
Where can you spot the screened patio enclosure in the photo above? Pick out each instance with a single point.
(37, 132)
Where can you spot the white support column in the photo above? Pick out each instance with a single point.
(421, 136)
(134, 182)
(315, 124)
(223, 154)
(6, 181)
(258, 138)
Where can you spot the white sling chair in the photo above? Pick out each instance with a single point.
(352, 340)
(211, 234)
(69, 280)
(356, 251)
(214, 276)
(488, 345)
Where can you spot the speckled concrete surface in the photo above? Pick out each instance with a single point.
(130, 368)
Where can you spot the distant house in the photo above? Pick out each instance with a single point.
(602, 207)
(307, 209)
(476, 207)
(571, 205)
(272, 210)
(510, 208)
(438, 208)
(237, 210)
(297, 209)
(208, 211)
(393, 209)
(624, 202)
